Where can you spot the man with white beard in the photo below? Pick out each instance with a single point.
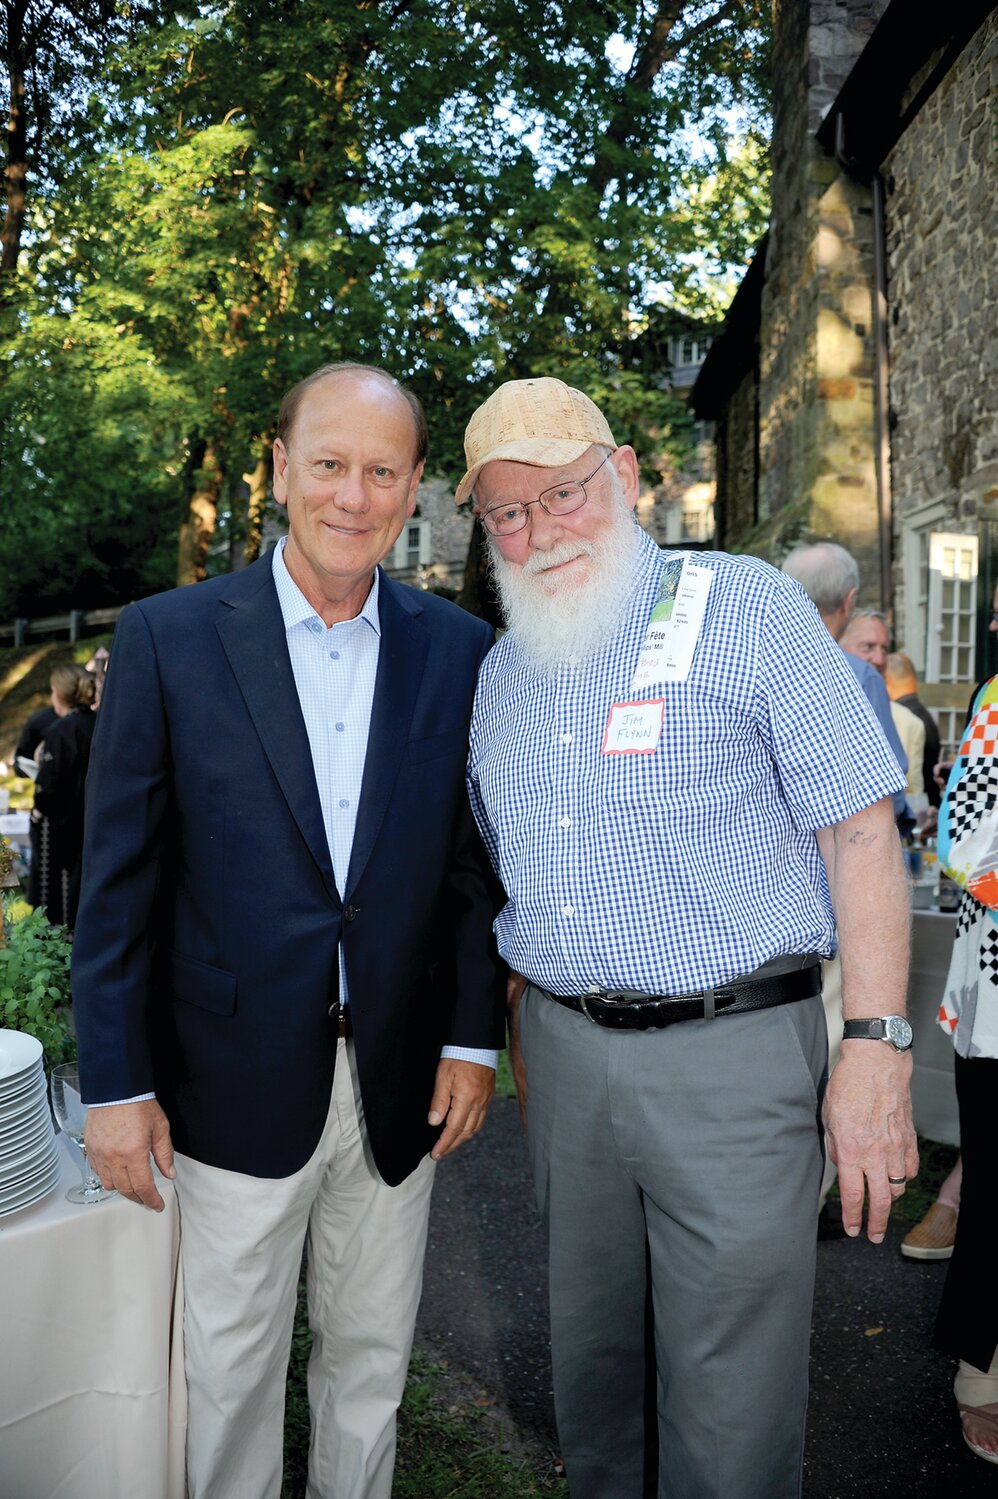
(677, 779)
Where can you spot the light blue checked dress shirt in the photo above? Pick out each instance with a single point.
(335, 669)
(671, 872)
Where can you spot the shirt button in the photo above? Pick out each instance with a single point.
(334, 655)
(566, 822)
(314, 626)
(568, 910)
(339, 728)
(344, 802)
(566, 738)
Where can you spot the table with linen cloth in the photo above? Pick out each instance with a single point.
(92, 1397)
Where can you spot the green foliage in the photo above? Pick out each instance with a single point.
(34, 983)
(461, 192)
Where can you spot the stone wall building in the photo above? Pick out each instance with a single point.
(854, 385)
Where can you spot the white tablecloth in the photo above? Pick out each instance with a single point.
(92, 1396)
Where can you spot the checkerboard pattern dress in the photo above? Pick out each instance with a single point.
(968, 850)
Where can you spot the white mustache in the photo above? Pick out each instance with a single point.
(565, 551)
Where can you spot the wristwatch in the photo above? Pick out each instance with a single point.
(893, 1029)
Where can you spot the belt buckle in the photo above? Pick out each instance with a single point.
(593, 992)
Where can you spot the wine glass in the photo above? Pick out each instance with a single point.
(71, 1113)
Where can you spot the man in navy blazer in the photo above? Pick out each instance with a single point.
(284, 967)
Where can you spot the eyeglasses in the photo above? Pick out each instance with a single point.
(561, 499)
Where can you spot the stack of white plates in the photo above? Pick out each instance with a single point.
(30, 1164)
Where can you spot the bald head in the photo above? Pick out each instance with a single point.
(900, 676)
(354, 373)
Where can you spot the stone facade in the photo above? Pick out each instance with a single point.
(444, 551)
(862, 352)
(816, 358)
(942, 262)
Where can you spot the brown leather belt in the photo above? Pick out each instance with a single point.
(626, 1010)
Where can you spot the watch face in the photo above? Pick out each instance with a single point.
(898, 1032)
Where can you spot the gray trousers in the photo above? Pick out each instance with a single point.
(677, 1173)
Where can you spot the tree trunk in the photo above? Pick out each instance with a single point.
(477, 592)
(198, 528)
(15, 176)
(259, 480)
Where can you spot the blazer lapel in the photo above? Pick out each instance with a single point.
(253, 637)
(401, 661)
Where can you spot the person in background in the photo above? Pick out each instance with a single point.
(911, 732)
(902, 689)
(967, 1325)
(677, 779)
(30, 739)
(57, 815)
(866, 636)
(829, 576)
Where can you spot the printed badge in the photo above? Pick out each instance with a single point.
(674, 624)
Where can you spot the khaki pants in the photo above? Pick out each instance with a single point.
(241, 1245)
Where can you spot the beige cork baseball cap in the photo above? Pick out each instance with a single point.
(543, 422)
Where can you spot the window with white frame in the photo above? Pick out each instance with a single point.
(951, 607)
(950, 589)
(413, 546)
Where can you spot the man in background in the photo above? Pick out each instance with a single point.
(830, 578)
(902, 689)
(866, 636)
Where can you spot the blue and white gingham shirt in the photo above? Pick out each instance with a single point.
(671, 872)
(335, 668)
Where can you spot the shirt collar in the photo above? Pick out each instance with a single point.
(296, 608)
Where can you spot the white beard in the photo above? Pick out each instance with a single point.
(563, 620)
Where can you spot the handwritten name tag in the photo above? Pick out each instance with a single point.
(634, 728)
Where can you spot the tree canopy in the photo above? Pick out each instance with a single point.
(461, 192)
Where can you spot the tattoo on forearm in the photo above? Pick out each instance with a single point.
(863, 837)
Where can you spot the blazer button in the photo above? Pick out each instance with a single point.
(333, 1011)
(349, 913)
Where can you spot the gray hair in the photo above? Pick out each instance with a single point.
(825, 571)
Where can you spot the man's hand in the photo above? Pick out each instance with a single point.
(462, 1093)
(119, 1141)
(515, 986)
(869, 1131)
(867, 1109)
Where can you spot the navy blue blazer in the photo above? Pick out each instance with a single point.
(204, 962)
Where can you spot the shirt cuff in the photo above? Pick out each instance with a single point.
(112, 1103)
(484, 1058)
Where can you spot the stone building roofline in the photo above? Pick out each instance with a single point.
(734, 353)
(913, 47)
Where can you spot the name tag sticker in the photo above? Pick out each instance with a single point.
(634, 728)
(674, 624)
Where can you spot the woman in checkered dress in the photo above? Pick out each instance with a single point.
(968, 849)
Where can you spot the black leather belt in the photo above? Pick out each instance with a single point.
(627, 1010)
